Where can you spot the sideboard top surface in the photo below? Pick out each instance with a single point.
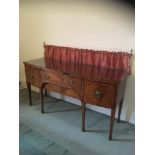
(85, 71)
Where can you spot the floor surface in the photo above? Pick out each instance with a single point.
(58, 130)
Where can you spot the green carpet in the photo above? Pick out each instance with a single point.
(58, 130)
(34, 143)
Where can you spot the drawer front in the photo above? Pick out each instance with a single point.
(98, 94)
(62, 90)
(61, 80)
(32, 75)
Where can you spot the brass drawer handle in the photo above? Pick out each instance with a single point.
(98, 94)
(70, 82)
(32, 77)
(47, 77)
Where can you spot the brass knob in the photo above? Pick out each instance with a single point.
(98, 94)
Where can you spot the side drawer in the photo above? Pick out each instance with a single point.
(32, 75)
(99, 94)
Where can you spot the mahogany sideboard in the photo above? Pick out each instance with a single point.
(98, 86)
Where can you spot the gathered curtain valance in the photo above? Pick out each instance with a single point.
(113, 60)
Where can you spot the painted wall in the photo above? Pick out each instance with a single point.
(99, 25)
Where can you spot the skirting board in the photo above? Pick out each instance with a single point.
(77, 102)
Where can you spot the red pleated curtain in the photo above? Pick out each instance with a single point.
(113, 60)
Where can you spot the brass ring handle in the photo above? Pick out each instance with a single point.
(98, 94)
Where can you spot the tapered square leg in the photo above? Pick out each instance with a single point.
(119, 111)
(29, 92)
(83, 116)
(112, 122)
(46, 92)
(42, 100)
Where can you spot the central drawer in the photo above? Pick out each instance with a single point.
(98, 94)
(61, 80)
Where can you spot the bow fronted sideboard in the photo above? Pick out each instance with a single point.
(94, 77)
